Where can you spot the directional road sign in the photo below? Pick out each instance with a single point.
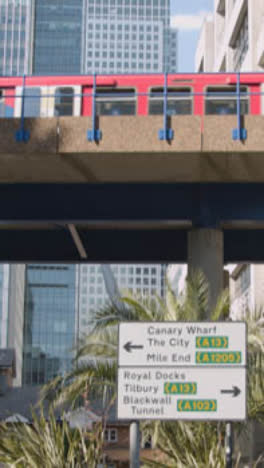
(182, 370)
(181, 393)
(182, 344)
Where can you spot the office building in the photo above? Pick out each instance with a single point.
(49, 322)
(233, 40)
(16, 23)
(12, 280)
(131, 36)
(57, 37)
(176, 275)
(96, 285)
(246, 288)
(52, 37)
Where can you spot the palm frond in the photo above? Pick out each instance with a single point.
(49, 444)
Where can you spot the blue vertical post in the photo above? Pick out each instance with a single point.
(95, 134)
(22, 134)
(165, 133)
(239, 133)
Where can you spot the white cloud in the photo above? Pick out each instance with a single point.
(189, 22)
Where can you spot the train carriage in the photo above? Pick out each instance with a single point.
(187, 94)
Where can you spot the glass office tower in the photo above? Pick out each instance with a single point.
(128, 36)
(49, 322)
(12, 280)
(16, 21)
(57, 37)
(140, 279)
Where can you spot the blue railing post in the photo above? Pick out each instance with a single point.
(95, 134)
(165, 133)
(22, 134)
(239, 133)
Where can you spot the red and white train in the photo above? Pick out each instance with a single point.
(188, 94)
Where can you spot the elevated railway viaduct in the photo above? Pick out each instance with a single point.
(132, 197)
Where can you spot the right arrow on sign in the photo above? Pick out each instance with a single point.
(235, 391)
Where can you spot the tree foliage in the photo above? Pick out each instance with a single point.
(95, 373)
(49, 444)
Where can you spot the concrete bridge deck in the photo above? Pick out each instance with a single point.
(130, 151)
(132, 197)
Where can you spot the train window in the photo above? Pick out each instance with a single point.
(179, 101)
(64, 101)
(7, 103)
(111, 101)
(32, 102)
(222, 101)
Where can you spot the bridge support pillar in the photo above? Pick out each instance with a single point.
(206, 253)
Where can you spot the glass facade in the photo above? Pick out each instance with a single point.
(15, 36)
(128, 36)
(49, 322)
(1, 303)
(49, 37)
(58, 37)
(4, 283)
(116, 46)
(141, 279)
(172, 55)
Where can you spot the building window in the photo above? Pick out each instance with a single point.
(179, 101)
(242, 282)
(241, 44)
(110, 435)
(64, 101)
(222, 101)
(112, 101)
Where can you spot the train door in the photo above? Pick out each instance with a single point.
(48, 101)
(34, 101)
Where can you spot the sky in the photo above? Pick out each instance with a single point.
(187, 17)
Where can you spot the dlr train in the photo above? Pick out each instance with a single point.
(186, 94)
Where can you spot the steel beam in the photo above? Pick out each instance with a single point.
(205, 205)
(121, 246)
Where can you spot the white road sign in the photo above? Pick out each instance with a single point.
(182, 370)
(182, 344)
(181, 393)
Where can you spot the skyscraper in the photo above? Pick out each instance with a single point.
(57, 37)
(49, 322)
(12, 281)
(52, 37)
(16, 23)
(142, 279)
(128, 36)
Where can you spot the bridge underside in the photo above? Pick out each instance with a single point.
(127, 222)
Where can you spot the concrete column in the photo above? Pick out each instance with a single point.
(206, 253)
(134, 444)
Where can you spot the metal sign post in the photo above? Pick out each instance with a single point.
(134, 444)
(229, 445)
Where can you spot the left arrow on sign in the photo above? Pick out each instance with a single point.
(129, 346)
